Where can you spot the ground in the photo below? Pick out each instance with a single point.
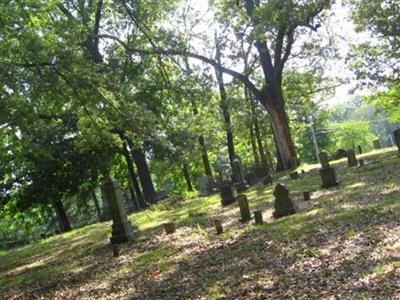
(342, 244)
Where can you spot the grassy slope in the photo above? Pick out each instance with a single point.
(344, 242)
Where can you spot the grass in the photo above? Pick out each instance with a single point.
(334, 244)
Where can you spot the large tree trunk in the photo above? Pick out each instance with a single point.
(144, 175)
(226, 115)
(254, 147)
(138, 198)
(204, 156)
(62, 216)
(185, 170)
(283, 138)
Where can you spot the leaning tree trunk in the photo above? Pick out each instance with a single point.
(144, 175)
(96, 204)
(62, 216)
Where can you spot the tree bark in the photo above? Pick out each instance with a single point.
(138, 198)
(225, 110)
(254, 147)
(283, 137)
(144, 175)
(62, 216)
(204, 157)
(185, 170)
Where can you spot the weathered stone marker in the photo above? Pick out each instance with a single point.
(351, 158)
(115, 250)
(251, 178)
(122, 230)
(306, 195)
(258, 217)
(303, 172)
(361, 162)
(226, 192)
(218, 226)
(169, 228)
(294, 175)
(244, 208)
(238, 177)
(324, 159)
(396, 134)
(377, 144)
(328, 178)
(283, 204)
(359, 149)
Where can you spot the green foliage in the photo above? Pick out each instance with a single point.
(350, 134)
(388, 102)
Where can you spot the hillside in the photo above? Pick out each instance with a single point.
(343, 243)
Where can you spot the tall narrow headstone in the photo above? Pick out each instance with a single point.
(258, 217)
(351, 158)
(244, 208)
(226, 192)
(396, 134)
(238, 176)
(306, 195)
(283, 204)
(122, 230)
(324, 159)
(377, 144)
(294, 175)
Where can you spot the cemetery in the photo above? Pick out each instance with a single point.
(194, 149)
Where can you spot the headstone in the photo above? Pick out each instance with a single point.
(351, 158)
(238, 177)
(294, 175)
(283, 204)
(115, 250)
(226, 192)
(340, 153)
(260, 172)
(122, 230)
(169, 228)
(361, 162)
(244, 208)
(258, 217)
(306, 195)
(359, 149)
(396, 134)
(204, 185)
(377, 144)
(303, 172)
(328, 178)
(218, 226)
(324, 159)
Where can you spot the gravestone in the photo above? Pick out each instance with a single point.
(218, 226)
(328, 178)
(283, 205)
(351, 158)
(359, 149)
(396, 134)
(361, 162)
(306, 195)
(227, 194)
(267, 180)
(294, 175)
(260, 172)
(169, 228)
(324, 159)
(303, 172)
(377, 144)
(205, 186)
(244, 208)
(238, 177)
(122, 230)
(258, 217)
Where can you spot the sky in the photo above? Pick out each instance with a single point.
(340, 25)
